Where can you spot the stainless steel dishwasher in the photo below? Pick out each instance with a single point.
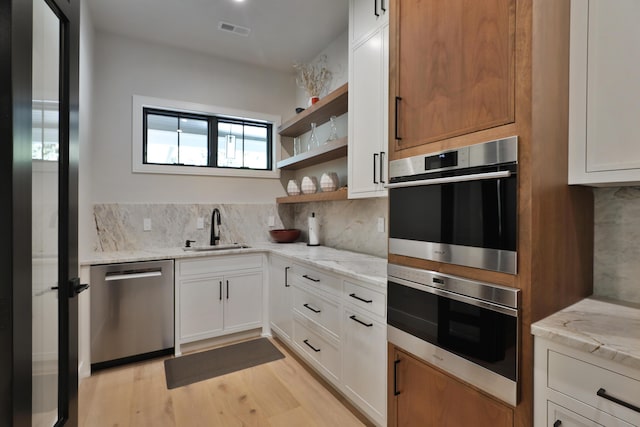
(131, 312)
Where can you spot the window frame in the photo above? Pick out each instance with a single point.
(213, 113)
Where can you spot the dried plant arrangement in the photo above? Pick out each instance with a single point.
(314, 76)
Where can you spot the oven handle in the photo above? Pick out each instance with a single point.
(457, 297)
(461, 178)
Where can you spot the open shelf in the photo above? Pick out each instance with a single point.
(334, 104)
(339, 194)
(327, 151)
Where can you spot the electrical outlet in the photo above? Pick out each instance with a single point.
(271, 221)
(146, 224)
(200, 223)
(381, 224)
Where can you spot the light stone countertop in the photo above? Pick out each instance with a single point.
(605, 328)
(359, 266)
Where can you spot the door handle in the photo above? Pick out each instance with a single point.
(375, 158)
(375, 8)
(384, 9)
(75, 287)
(382, 167)
(286, 277)
(398, 99)
(220, 289)
(395, 377)
(227, 289)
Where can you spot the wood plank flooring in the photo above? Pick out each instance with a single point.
(282, 393)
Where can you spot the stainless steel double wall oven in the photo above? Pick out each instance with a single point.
(457, 207)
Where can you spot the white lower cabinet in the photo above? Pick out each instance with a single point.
(339, 329)
(280, 315)
(574, 388)
(216, 296)
(362, 357)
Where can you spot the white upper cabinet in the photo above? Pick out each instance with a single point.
(604, 114)
(366, 16)
(368, 102)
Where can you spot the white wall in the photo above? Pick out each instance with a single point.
(124, 67)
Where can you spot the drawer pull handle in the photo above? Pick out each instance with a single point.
(354, 318)
(310, 346)
(603, 393)
(310, 278)
(558, 423)
(286, 277)
(311, 308)
(368, 301)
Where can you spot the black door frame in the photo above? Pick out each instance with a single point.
(16, 17)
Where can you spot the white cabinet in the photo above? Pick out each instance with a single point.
(368, 103)
(339, 329)
(364, 354)
(604, 93)
(574, 388)
(366, 16)
(280, 315)
(216, 296)
(201, 303)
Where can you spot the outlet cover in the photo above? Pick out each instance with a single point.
(271, 221)
(146, 224)
(200, 223)
(381, 224)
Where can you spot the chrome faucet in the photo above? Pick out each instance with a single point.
(215, 220)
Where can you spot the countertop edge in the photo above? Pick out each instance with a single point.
(605, 328)
(323, 257)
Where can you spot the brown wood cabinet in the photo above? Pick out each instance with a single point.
(454, 68)
(426, 397)
(555, 220)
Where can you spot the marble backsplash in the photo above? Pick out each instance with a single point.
(616, 257)
(349, 225)
(120, 226)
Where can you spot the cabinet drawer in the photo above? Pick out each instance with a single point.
(318, 309)
(569, 418)
(581, 381)
(207, 265)
(316, 347)
(317, 279)
(365, 298)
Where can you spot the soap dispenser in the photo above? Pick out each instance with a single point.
(313, 230)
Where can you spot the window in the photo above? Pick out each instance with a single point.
(183, 138)
(44, 132)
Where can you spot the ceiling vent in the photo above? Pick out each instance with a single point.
(231, 28)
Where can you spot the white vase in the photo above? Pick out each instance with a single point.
(329, 181)
(293, 189)
(309, 185)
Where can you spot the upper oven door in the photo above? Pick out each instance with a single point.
(463, 216)
(465, 222)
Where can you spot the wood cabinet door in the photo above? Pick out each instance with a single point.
(428, 398)
(454, 68)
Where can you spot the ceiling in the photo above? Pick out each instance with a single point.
(282, 31)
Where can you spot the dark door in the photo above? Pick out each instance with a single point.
(39, 130)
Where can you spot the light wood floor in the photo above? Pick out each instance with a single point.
(279, 393)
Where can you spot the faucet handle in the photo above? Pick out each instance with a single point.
(188, 243)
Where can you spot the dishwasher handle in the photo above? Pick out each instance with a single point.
(133, 274)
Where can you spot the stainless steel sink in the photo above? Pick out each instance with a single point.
(215, 248)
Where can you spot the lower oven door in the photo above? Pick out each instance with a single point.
(474, 340)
